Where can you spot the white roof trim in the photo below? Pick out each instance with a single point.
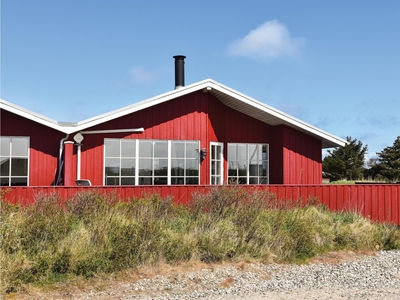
(228, 96)
(30, 115)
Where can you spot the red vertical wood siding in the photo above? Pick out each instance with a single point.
(183, 118)
(44, 146)
(379, 202)
(294, 157)
(302, 163)
(198, 116)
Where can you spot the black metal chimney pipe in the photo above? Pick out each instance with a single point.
(179, 71)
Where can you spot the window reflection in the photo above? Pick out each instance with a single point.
(154, 162)
(247, 163)
(14, 161)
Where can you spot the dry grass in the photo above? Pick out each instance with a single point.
(97, 239)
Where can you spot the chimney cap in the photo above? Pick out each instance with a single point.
(179, 56)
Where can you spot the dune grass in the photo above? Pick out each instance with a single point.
(91, 233)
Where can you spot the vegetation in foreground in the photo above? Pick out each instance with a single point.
(93, 234)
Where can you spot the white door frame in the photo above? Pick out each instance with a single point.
(220, 159)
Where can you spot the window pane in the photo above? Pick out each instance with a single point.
(232, 180)
(19, 167)
(213, 180)
(232, 152)
(192, 167)
(160, 167)
(177, 149)
(112, 181)
(254, 168)
(218, 152)
(253, 152)
(232, 172)
(145, 167)
(192, 149)
(264, 168)
(145, 149)
(19, 181)
(218, 167)
(160, 180)
(177, 180)
(4, 166)
(253, 180)
(145, 181)
(177, 167)
(160, 149)
(128, 181)
(212, 167)
(232, 168)
(128, 148)
(127, 167)
(4, 181)
(242, 152)
(112, 148)
(19, 146)
(192, 180)
(112, 166)
(265, 152)
(242, 165)
(242, 180)
(213, 152)
(5, 146)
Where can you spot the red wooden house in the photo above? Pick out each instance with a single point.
(203, 133)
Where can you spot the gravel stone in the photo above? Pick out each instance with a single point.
(367, 278)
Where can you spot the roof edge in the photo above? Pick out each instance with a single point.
(30, 115)
(328, 140)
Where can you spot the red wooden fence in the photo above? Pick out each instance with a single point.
(379, 202)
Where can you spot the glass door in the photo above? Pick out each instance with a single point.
(216, 161)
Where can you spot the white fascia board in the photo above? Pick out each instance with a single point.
(279, 114)
(139, 106)
(31, 116)
(207, 83)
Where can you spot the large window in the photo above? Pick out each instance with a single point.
(120, 160)
(185, 162)
(14, 157)
(247, 163)
(151, 162)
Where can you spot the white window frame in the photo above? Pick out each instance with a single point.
(139, 156)
(219, 159)
(248, 160)
(10, 157)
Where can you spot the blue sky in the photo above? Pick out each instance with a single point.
(333, 64)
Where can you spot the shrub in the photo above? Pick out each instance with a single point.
(96, 233)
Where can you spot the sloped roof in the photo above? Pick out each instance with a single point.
(226, 95)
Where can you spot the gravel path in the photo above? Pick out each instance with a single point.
(367, 277)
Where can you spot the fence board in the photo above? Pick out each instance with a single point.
(380, 202)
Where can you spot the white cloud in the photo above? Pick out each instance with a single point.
(268, 41)
(141, 75)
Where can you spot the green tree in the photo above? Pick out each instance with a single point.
(346, 162)
(388, 162)
(372, 170)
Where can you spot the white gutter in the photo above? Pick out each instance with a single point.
(79, 138)
(112, 131)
